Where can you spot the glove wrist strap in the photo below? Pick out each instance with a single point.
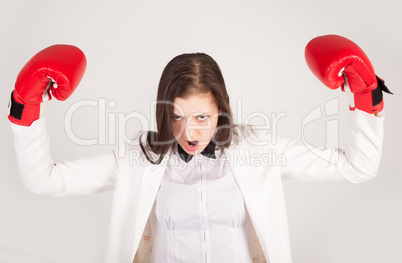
(22, 114)
(372, 101)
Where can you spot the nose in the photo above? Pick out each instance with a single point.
(190, 131)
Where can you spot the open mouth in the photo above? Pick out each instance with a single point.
(191, 145)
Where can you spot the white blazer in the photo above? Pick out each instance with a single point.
(135, 181)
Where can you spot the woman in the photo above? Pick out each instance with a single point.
(196, 190)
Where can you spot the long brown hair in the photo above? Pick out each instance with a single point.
(183, 76)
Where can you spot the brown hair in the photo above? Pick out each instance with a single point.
(183, 76)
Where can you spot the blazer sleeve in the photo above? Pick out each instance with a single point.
(41, 175)
(358, 162)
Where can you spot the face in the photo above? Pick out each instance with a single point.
(194, 121)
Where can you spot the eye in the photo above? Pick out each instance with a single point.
(202, 117)
(176, 118)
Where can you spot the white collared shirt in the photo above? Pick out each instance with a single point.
(199, 214)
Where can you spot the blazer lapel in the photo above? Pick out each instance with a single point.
(250, 187)
(147, 189)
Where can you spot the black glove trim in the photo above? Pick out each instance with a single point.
(16, 108)
(376, 94)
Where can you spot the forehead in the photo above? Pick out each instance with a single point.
(193, 104)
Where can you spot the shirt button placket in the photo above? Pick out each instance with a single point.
(204, 228)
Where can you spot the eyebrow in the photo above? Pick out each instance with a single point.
(201, 114)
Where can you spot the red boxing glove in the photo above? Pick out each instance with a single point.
(333, 58)
(56, 70)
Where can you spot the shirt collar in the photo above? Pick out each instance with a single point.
(209, 151)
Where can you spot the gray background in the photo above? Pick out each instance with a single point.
(260, 48)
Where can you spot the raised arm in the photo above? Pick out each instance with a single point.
(356, 163)
(339, 62)
(57, 71)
